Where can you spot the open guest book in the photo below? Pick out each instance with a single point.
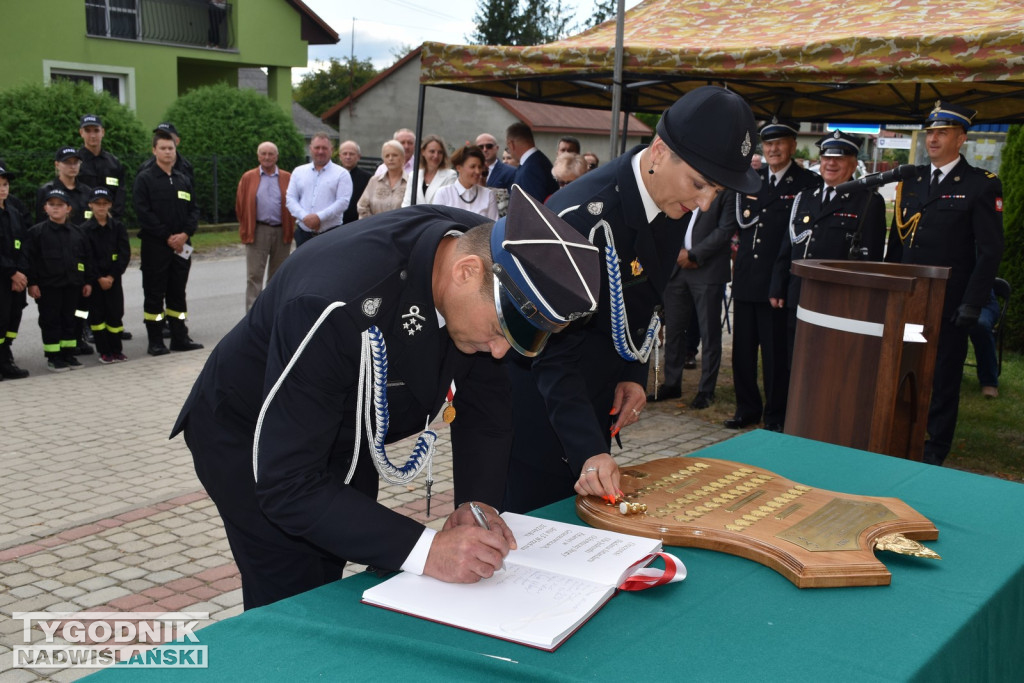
(560, 575)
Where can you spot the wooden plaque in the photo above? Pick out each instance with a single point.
(814, 537)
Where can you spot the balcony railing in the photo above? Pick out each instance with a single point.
(203, 23)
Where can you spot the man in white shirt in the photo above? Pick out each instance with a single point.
(319, 192)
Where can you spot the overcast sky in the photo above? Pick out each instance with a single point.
(384, 26)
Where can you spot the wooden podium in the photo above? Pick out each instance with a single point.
(866, 338)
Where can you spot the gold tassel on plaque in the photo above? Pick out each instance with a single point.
(898, 543)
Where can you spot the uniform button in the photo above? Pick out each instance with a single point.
(758, 240)
(755, 255)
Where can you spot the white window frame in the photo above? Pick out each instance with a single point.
(98, 72)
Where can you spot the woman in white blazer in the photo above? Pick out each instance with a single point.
(434, 172)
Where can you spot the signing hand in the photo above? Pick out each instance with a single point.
(466, 553)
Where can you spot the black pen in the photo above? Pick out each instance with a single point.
(481, 521)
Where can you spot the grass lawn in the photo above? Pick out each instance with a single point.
(989, 434)
(206, 241)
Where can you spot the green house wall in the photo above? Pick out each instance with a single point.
(45, 35)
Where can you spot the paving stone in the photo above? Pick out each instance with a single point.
(101, 596)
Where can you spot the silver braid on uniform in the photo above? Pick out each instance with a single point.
(793, 237)
(617, 305)
(374, 357)
(739, 218)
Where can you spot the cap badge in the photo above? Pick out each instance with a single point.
(938, 106)
(413, 320)
(595, 208)
(836, 135)
(371, 306)
(635, 267)
(745, 147)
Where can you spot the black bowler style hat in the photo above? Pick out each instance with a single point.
(839, 143)
(775, 129)
(90, 120)
(947, 115)
(546, 274)
(712, 129)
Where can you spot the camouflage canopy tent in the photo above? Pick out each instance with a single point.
(837, 61)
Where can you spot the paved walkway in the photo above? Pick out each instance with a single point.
(100, 511)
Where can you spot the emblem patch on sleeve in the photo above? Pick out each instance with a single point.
(999, 204)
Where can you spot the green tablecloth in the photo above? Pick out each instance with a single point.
(958, 619)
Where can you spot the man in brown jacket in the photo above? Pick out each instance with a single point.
(264, 224)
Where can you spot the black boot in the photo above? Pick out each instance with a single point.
(155, 332)
(8, 370)
(180, 341)
(82, 347)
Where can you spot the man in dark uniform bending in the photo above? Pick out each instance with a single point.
(764, 225)
(951, 214)
(405, 303)
(637, 204)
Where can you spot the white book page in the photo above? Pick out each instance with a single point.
(575, 550)
(523, 604)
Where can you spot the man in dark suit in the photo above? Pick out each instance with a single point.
(349, 155)
(696, 285)
(764, 225)
(826, 224)
(534, 171)
(499, 174)
(402, 304)
(951, 215)
(635, 209)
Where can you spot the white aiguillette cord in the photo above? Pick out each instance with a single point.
(649, 577)
(372, 360)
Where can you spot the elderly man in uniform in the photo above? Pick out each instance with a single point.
(378, 328)
(951, 215)
(825, 224)
(764, 225)
(636, 209)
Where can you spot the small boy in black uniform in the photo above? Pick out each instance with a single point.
(59, 274)
(109, 251)
(13, 281)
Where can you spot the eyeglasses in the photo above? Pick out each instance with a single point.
(591, 166)
(487, 145)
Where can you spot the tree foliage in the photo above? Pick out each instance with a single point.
(521, 22)
(220, 128)
(39, 119)
(1011, 174)
(320, 90)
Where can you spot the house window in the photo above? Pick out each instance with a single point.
(817, 127)
(112, 18)
(113, 85)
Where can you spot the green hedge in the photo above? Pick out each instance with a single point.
(1011, 173)
(37, 120)
(220, 128)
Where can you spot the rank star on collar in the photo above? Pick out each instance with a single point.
(412, 321)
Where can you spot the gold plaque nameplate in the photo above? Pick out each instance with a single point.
(837, 525)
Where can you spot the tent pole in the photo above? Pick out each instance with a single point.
(414, 180)
(617, 78)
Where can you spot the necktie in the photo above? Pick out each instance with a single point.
(935, 180)
(771, 180)
(828, 196)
